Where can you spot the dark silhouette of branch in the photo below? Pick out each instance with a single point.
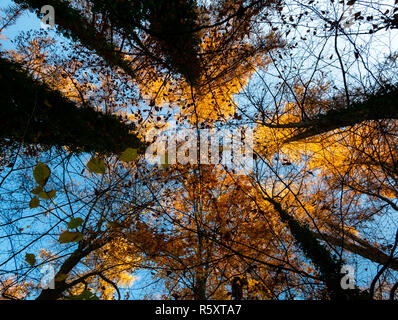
(33, 113)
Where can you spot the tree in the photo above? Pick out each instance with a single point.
(307, 77)
(33, 117)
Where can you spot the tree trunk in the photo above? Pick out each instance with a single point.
(32, 113)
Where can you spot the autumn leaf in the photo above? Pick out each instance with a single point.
(85, 295)
(68, 236)
(75, 223)
(128, 155)
(41, 173)
(37, 190)
(96, 165)
(60, 277)
(30, 258)
(47, 103)
(34, 203)
(47, 195)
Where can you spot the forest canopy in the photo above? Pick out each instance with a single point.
(198, 150)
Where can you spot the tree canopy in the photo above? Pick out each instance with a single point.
(85, 103)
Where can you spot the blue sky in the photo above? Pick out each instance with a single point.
(28, 21)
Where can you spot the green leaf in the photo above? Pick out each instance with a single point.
(85, 295)
(47, 195)
(128, 155)
(41, 173)
(96, 165)
(34, 203)
(68, 236)
(37, 190)
(60, 277)
(74, 223)
(30, 258)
